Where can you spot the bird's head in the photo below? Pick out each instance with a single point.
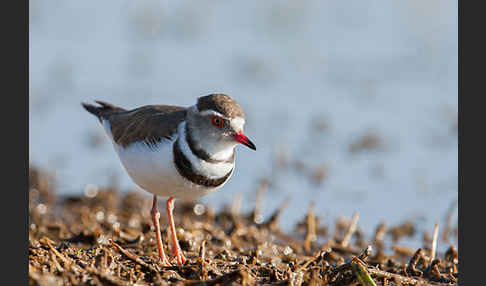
(216, 123)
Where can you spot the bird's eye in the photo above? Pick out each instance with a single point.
(217, 121)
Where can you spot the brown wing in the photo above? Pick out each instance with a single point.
(149, 124)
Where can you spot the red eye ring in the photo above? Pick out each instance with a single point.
(217, 121)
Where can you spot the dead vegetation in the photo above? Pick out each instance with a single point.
(105, 237)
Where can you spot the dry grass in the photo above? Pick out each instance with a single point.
(105, 238)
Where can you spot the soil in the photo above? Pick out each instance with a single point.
(105, 237)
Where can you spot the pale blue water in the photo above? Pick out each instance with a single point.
(387, 67)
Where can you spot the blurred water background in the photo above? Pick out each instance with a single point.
(352, 104)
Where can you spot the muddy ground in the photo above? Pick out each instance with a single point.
(105, 237)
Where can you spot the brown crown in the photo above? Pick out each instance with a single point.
(221, 103)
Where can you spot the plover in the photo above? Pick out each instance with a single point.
(176, 152)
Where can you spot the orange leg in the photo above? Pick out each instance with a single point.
(176, 249)
(155, 219)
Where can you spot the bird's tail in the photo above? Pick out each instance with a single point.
(103, 111)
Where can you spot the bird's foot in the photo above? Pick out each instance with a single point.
(179, 256)
(165, 261)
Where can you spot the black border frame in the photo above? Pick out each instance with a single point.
(15, 117)
(15, 127)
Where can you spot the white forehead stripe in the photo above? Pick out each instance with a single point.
(237, 123)
(212, 112)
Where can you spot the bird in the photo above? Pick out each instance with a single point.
(175, 152)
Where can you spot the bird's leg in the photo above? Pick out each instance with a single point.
(155, 219)
(176, 249)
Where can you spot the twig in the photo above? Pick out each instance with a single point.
(311, 228)
(47, 242)
(378, 240)
(447, 230)
(380, 233)
(67, 261)
(351, 230)
(434, 242)
(272, 222)
(236, 205)
(202, 250)
(260, 196)
(202, 257)
(131, 256)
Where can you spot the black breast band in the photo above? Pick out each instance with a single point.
(183, 166)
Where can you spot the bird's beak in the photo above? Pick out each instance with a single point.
(240, 137)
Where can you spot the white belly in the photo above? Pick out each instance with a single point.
(154, 170)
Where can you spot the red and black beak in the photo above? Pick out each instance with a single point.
(240, 137)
